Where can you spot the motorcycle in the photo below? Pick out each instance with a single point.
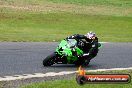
(67, 52)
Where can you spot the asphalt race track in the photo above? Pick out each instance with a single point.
(26, 58)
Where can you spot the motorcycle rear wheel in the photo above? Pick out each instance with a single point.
(82, 62)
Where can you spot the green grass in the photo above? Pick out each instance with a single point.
(71, 83)
(56, 26)
(118, 3)
(55, 23)
(23, 2)
(1, 84)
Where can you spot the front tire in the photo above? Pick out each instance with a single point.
(49, 60)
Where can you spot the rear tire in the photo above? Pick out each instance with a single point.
(86, 63)
(49, 60)
(82, 62)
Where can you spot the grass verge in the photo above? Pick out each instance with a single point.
(30, 21)
(118, 3)
(56, 26)
(72, 83)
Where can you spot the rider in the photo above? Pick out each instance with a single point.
(89, 44)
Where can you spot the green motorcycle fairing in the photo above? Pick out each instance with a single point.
(66, 47)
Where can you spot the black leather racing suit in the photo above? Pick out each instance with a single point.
(90, 46)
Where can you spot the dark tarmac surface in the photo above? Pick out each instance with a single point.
(26, 58)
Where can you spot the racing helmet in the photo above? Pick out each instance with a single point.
(91, 35)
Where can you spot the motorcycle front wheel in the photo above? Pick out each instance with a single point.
(49, 60)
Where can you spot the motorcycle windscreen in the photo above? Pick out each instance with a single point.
(71, 43)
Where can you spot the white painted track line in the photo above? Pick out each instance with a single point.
(35, 75)
(50, 74)
(112, 69)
